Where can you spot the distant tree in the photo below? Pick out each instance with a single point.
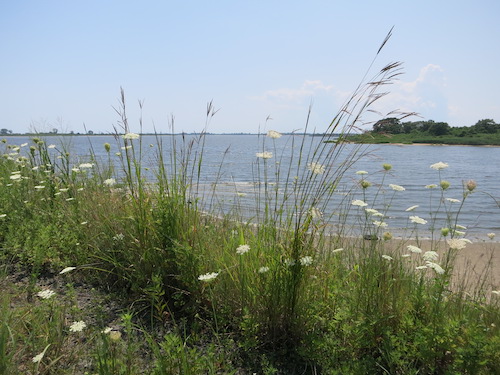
(90, 132)
(409, 127)
(438, 128)
(486, 126)
(388, 125)
(54, 131)
(5, 131)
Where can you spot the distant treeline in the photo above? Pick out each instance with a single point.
(393, 125)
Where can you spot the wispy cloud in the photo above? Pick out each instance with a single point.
(424, 95)
(309, 89)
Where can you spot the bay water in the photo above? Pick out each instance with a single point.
(230, 161)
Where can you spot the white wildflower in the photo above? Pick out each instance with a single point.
(417, 220)
(264, 155)
(396, 187)
(453, 200)
(46, 294)
(457, 243)
(51, 146)
(421, 267)
(414, 249)
(208, 276)
(15, 177)
(371, 211)
(491, 235)
(436, 267)
(242, 249)
(387, 257)
(439, 166)
(263, 269)
(316, 168)
(338, 250)
(85, 165)
(361, 172)
(77, 326)
(496, 292)
(431, 186)
(306, 261)
(130, 136)
(273, 134)
(359, 202)
(109, 182)
(430, 256)
(380, 224)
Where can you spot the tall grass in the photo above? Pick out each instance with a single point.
(201, 290)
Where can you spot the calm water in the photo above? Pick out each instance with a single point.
(230, 159)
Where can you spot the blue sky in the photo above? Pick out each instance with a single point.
(63, 62)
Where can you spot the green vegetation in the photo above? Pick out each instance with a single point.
(392, 130)
(103, 272)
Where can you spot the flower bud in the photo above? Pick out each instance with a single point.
(387, 236)
(471, 185)
(365, 184)
(444, 184)
(387, 167)
(107, 147)
(445, 231)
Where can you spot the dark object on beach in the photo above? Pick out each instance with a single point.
(370, 237)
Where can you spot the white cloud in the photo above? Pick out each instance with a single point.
(424, 95)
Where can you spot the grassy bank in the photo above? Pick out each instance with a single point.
(471, 140)
(104, 272)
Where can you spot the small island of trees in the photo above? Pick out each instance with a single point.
(392, 130)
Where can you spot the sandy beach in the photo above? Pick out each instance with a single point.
(478, 263)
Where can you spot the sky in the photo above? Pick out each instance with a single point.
(262, 64)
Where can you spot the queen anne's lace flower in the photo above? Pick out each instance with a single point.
(411, 208)
(85, 165)
(263, 269)
(417, 220)
(316, 168)
(361, 172)
(380, 224)
(360, 203)
(387, 257)
(46, 294)
(430, 256)
(453, 200)
(242, 249)
(306, 261)
(396, 187)
(414, 249)
(77, 326)
(130, 136)
(208, 276)
(109, 182)
(457, 243)
(440, 165)
(436, 267)
(273, 134)
(264, 155)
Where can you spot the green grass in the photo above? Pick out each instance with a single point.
(164, 287)
(473, 140)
